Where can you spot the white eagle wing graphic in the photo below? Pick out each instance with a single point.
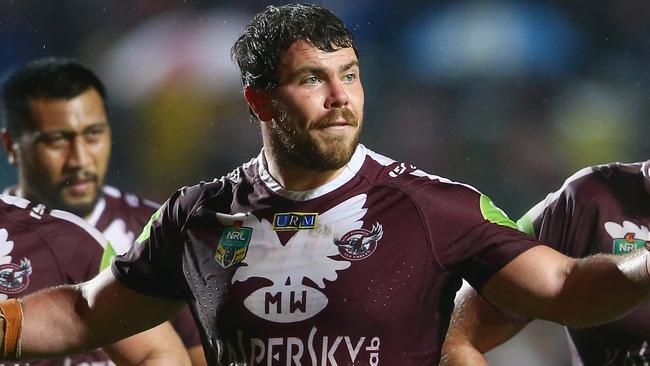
(6, 246)
(614, 230)
(617, 231)
(307, 253)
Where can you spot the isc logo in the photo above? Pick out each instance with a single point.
(294, 221)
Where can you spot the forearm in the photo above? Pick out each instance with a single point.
(461, 353)
(158, 346)
(602, 288)
(476, 327)
(542, 283)
(52, 325)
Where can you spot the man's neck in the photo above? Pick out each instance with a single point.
(298, 178)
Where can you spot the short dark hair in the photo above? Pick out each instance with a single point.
(47, 78)
(272, 31)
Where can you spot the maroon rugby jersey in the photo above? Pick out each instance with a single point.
(361, 270)
(602, 209)
(40, 248)
(121, 217)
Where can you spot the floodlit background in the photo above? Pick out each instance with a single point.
(509, 96)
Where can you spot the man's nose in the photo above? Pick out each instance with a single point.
(338, 96)
(78, 155)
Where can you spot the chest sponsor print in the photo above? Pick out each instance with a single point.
(288, 221)
(307, 254)
(627, 237)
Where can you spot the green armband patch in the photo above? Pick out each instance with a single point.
(107, 257)
(146, 231)
(494, 214)
(525, 224)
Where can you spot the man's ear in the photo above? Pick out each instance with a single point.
(10, 147)
(260, 103)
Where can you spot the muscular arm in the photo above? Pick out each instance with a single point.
(542, 283)
(157, 346)
(476, 327)
(70, 319)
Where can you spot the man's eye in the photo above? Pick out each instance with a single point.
(312, 80)
(349, 78)
(54, 139)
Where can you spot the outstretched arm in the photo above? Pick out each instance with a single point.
(476, 327)
(71, 319)
(542, 283)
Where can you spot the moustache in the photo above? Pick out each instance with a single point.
(332, 118)
(80, 177)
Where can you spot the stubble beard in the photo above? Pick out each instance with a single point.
(304, 150)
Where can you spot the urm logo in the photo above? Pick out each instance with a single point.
(287, 221)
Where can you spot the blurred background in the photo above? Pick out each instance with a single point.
(509, 96)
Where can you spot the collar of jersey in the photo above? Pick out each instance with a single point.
(98, 210)
(349, 171)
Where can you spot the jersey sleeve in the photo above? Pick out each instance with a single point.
(153, 265)
(557, 219)
(469, 233)
(77, 242)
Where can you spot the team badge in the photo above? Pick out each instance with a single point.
(15, 278)
(288, 221)
(360, 243)
(233, 245)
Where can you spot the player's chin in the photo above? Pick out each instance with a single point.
(79, 201)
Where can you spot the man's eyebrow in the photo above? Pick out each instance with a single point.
(320, 70)
(349, 66)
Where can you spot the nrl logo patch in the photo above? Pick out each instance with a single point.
(233, 245)
(627, 237)
(359, 244)
(628, 244)
(288, 221)
(15, 278)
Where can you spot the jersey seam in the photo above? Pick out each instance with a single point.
(384, 183)
(44, 239)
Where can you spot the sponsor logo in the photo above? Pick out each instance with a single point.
(15, 278)
(316, 349)
(294, 221)
(233, 245)
(628, 244)
(359, 244)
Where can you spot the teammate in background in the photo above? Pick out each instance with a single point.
(320, 251)
(58, 136)
(600, 209)
(36, 247)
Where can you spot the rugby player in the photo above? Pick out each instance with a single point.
(320, 251)
(600, 209)
(37, 247)
(57, 134)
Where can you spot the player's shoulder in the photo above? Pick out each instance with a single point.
(411, 180)
(218, 191)
(589, 182)
(117, 198)
(50, 224)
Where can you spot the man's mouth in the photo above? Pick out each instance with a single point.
(80, 185)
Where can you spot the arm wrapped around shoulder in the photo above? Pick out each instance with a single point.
(11, 324)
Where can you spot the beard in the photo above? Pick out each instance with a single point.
(303, 149)
(60, 198)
